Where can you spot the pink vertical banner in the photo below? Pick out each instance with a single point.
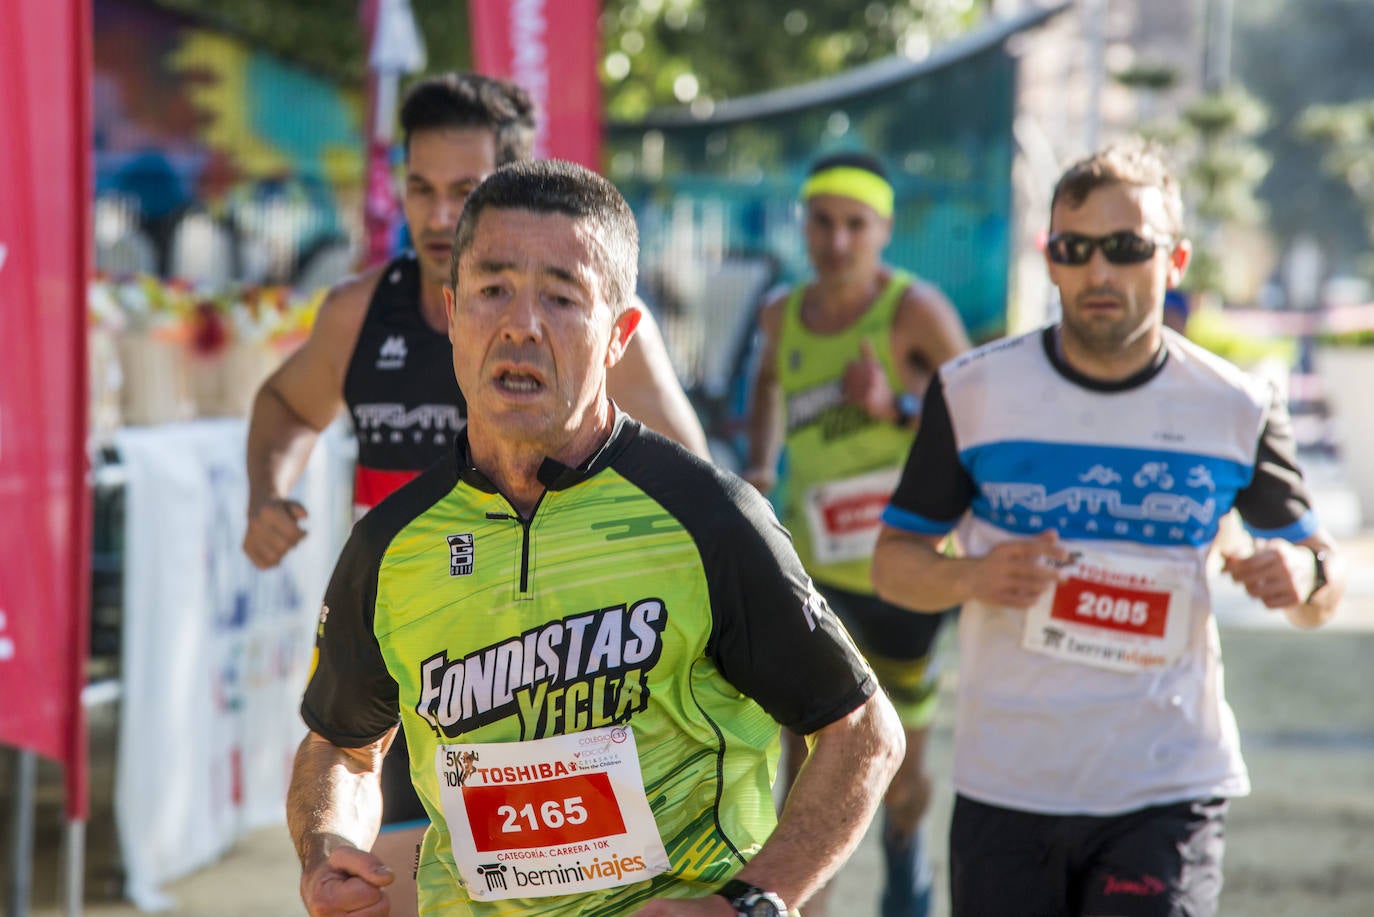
(380, 207)
(45, 233)
(551, 48)
(394, 48)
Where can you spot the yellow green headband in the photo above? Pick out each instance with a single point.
(850, 181)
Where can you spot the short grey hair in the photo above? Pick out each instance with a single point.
(554, 186)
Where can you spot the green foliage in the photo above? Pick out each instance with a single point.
(1213, 329)
(1361, 338)
(666, 52)
(1223, 169)
(1205, 272)
(655, 52)
(1218, 115)
(1347, 133)
(326, 35)
(1293, 54)
(1153, 77)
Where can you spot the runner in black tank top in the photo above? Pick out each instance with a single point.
(406, 407)
(400, 389)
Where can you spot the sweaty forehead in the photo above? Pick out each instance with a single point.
(523, 240)
(1111, 208)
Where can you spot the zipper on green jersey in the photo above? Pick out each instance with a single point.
(524, 542)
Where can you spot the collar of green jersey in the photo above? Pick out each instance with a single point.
(553, 474)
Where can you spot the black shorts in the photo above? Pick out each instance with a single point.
(401, 806)
(1161, 861)
(898, 644)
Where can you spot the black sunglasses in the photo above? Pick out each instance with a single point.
(1124, 247)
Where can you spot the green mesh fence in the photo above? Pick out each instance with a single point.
(716, 196)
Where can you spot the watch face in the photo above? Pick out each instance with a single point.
(762, 907)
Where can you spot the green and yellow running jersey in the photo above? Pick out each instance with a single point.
(647, 592)
(839, 458)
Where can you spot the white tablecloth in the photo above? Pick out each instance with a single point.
(215, 653)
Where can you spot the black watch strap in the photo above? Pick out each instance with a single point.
(1318, 572)
(752, 901)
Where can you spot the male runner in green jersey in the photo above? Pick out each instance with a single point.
(588, 634)
(843, 357)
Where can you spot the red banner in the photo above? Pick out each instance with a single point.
(550, 47)
(45, 233)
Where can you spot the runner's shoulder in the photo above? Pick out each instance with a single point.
(925, 296)
(700, 494)
(1208, 370)
(989, 356)
(345, 304)
(773, 302)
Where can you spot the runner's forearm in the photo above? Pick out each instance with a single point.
(765, 424)
(279, 446)
(1327, 599)
(910, 571)
(335, 798)
(848, 769)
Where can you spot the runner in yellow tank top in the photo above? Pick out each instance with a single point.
(844, 359)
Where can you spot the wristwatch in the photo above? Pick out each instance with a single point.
(751, 901)
(907, 406)
(1319, 572)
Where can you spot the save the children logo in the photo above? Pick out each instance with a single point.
(581, 672)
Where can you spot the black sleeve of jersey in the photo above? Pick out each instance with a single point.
(773, 636)
(351, 698)
(1276, 496)
(934, 483)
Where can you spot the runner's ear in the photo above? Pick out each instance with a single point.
(621, 331)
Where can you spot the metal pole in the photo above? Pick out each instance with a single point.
(1218, 24)
(74, 858)
(1095, 21)
(21, 843)
(1223, 43)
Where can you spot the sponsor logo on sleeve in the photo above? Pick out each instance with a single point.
(814, 608)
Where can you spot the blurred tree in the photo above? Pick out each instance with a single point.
(1222, 168)
(1347, 132)
(655, 52)
(663, 52)
(1150, 76)
(326, 35)
(1293, 54)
